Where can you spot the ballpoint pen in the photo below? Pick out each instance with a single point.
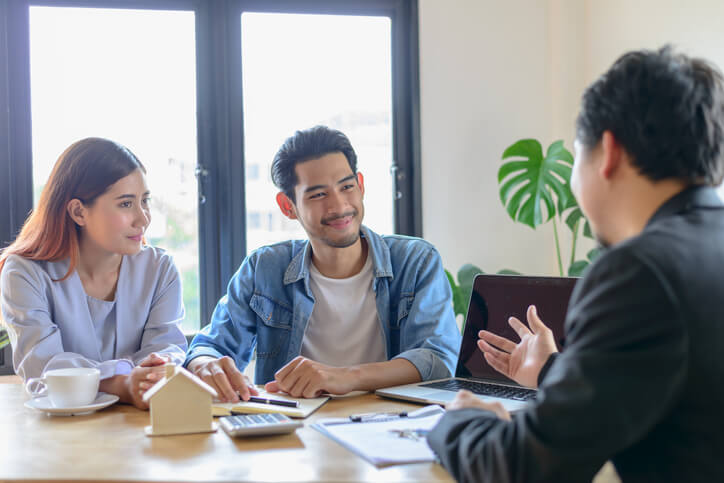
(360, 418)
(277, 402)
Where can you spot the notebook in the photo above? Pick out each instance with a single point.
(306, 406)
(493, 300)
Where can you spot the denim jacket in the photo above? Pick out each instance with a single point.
(268, 305)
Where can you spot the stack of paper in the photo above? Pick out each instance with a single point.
(386, 440)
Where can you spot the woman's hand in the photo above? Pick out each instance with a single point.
(144, 376)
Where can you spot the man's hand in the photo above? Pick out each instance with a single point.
(222, 375)
(305, 378)
(523, 361)
(466, 399)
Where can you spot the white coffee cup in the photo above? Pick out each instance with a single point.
(66, 388)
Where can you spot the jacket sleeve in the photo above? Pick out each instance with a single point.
(232, 330)
(429, 336)
(627, 337)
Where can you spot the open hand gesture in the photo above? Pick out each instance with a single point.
(523, 361)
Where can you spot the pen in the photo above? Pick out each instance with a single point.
(359, 418)
(278, 402)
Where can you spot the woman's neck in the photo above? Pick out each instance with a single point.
(98, 270)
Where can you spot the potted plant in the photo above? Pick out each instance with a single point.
(534, 189)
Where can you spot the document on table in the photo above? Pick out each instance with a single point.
(385, 440)
(306, 406)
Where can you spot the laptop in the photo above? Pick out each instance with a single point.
(493, 300)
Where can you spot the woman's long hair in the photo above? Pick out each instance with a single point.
(84, 171)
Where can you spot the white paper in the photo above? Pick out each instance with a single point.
(375, 440)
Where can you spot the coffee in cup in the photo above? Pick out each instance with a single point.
(66, 388)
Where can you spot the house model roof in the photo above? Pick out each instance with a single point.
(173, 372)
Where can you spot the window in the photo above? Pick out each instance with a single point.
(253, 220)
(252, 172)
(179, 100)
(117, 87)
(301, 70)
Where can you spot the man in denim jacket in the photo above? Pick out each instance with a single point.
(346, 310)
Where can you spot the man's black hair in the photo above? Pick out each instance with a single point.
(667, 111)
(306, 145)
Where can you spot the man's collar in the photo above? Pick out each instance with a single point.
(693, 196)
(298, 268)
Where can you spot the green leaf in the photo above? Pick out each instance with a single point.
(525, 148)
(467, 273)
(587, 232)
(461, 293)
(577, 268)
(593, 254)
(466, 278)
(451, 281)
(531, 182)
(507, 271)
(455, 293)
(557, 151)
(569, 201)
(573, 217)
(4, 339)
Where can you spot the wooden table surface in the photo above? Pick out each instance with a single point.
(110, 445)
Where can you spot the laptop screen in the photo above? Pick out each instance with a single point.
(494, 299)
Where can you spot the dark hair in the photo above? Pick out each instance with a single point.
(666, 110)
(84, 171)
(306, 145)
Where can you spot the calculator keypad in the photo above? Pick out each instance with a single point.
(250, 420)
(258, 424)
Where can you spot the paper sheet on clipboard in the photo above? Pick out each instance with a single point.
(378, 440)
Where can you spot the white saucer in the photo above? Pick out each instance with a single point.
(103, 400)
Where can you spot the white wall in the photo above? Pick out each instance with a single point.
(492, 72)
(616, 26)
(483, 84)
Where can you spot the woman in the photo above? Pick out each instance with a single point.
(79, 288)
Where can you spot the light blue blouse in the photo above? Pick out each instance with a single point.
(55, 324)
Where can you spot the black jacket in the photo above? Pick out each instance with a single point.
(640, 380)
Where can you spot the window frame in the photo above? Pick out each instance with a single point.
(220, 134)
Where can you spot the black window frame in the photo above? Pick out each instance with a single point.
(220, 140)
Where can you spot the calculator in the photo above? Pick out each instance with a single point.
(258, 424)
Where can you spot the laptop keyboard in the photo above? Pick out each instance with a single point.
(484, 389)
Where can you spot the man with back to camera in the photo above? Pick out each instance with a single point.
(639, 380)
(346, 309)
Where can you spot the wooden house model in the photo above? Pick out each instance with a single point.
(180, 403)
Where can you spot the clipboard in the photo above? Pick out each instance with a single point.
(385, 440)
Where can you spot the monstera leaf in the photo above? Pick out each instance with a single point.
(573, 217)
(533, 181)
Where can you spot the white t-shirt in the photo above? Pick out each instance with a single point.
(344, 328)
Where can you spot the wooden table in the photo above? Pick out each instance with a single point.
(110, 445)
